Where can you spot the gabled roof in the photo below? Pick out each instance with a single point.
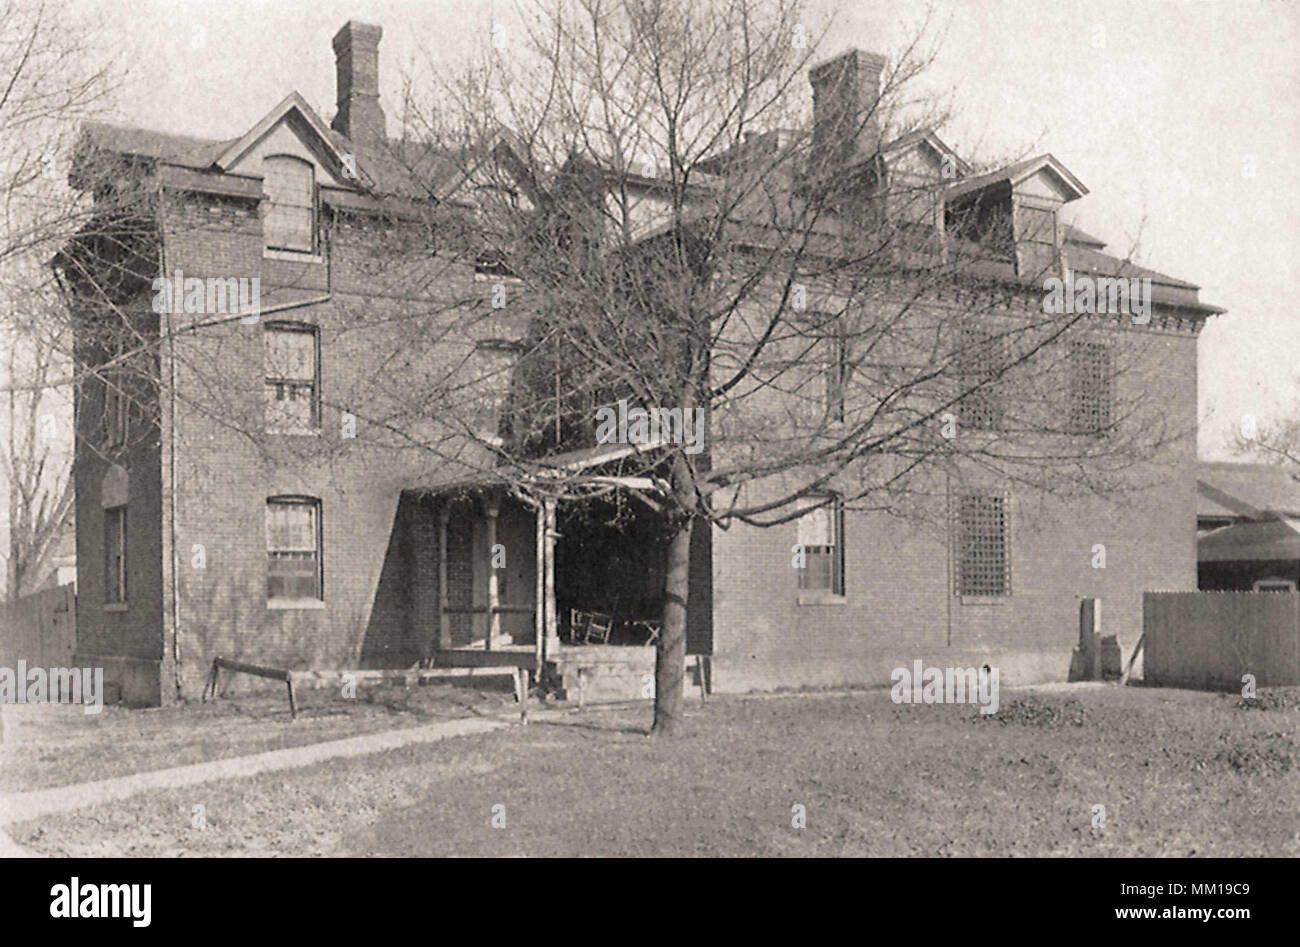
(292, 104)
(1249, 491)
(1016, 174)
(924, 136)
(398, 168)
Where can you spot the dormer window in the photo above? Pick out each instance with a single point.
(290, 219)
(982, 220)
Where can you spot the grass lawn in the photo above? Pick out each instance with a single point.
(48, 745)
(1179, 773)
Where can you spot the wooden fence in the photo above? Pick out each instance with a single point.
(1211, 639)
(40, 629)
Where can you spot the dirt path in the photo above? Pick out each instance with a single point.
(21, 807)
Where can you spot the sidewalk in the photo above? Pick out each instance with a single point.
(22, 807)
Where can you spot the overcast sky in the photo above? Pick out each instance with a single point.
(1180, 117)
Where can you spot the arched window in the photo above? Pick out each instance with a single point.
(290, 219)
(293, 549)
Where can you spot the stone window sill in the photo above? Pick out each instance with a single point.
(115, 606)
(292, 256)
(821, 598)
(294, 604)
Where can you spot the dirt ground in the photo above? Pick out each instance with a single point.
(1104, 771)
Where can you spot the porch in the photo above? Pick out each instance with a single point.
(484, 574)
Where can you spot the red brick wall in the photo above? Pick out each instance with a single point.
(127, 640)
(388, 307)
(899, 604)
(380, 577)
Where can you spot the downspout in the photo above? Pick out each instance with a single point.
(949, 592)
(171, 459)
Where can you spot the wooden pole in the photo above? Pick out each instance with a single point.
(494, 589)
(521, 693)
(552, 625)
(444, 627)
(539, 597)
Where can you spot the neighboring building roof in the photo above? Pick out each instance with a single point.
(1267, 541)
(1246, 491)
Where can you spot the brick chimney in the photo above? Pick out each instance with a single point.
(846, 126)
(356, 56)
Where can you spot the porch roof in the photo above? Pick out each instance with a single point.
(545, 472)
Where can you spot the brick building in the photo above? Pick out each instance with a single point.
(229, 501)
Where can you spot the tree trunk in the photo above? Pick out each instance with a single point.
(670, 651)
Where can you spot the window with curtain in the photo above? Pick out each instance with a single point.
(293, 550)
(820, 534)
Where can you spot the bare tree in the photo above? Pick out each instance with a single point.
(51, 78)
(690, 247)
(840, 327)
(36, 463)
(1277, 442)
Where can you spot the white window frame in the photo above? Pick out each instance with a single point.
(313, 504)
(276, 425)
(313, 205)
(833, 505)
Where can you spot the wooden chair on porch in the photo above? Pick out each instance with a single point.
(586, 627)
(599, 627)
(578, 620)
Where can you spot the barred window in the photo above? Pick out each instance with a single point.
(821, 531)
(293, 569)
(292, 377)
(982, 555)
(1091, 387)
(116, 402)
(979, 360)
(116, 413)
(115, 555)
(290, 219)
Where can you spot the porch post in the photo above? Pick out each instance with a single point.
(552, 645)
(539, 598)
(492, 509)
(444, 628)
